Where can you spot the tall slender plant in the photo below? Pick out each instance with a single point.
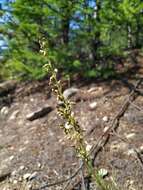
(71, 127)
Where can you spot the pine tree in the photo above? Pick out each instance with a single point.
(80, 34)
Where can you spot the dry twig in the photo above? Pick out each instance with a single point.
(136, 106)
(103, 139)
(61, 181)
(83, 187)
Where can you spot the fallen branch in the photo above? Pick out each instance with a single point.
(82, 179)
(136, 106)
(103, 139)
(82, 183)
(62, 181)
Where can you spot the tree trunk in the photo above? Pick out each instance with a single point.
(65, 30)
(96, 40)
(137, 34)
(129, 37)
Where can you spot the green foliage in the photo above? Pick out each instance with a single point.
(100, 72)
(79, 35)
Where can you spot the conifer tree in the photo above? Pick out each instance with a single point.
(80, 34)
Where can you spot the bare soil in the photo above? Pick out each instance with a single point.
(39, 147)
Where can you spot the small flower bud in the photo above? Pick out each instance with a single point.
(68, 126)
(72, 114)
(56, 70)
(88, 147)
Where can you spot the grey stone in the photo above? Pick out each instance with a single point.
(14, 115)
(6, 87)
(93, 105)
(26, 176)
(33, 175)
(4, 110)
(41, 112)
(70, 92)
(22, 167)
(105, 119)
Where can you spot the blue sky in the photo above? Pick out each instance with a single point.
(5, 17)
(2, 42)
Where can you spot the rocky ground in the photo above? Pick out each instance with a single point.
(34, 150)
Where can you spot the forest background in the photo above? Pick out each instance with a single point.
(87, 37)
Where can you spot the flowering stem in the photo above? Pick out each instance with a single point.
(71, 126)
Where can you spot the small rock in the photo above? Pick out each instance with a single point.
(39, 165)
(141, 149)
(130, 183)
(10, 180)
(14, 173)
(22, 149)
(4, 110)
(33, 176)
(131, 152)
(11, 148)
(130, 135)
(15, 181)
(92, 89)
(93, 105)
(26, 142)
(105, 129)
(41, 112)
(11, 157)
(14, 115)
(21, 167)
(20, 179)
(105, 119)
(26, 176)
(70, 92)
(29, 186)
(20, 122)
(32, 99)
